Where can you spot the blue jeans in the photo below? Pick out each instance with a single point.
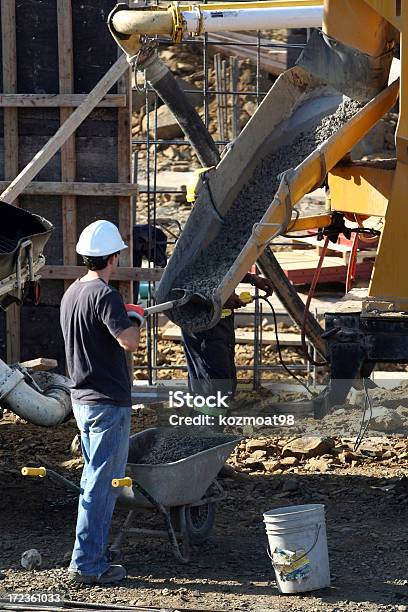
(105, 433)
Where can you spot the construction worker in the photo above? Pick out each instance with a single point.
(97, 331)
(210, 354)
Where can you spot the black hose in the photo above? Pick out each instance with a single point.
(186, 115)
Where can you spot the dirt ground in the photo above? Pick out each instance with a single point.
(367, 511)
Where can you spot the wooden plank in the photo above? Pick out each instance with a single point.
(41, 364)
(8, 31)
(65, 131)
(68, 153)
(172, 332)
(121, 274)
(299, 266)
(125, 216)
(77, 188)
(57, 100)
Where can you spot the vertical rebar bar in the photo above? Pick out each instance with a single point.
(219, 95)
(235, 109)
(224, 98)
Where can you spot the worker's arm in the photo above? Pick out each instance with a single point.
(264, 284)
(112, 312)
(129, 338)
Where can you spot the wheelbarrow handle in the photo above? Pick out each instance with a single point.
(41, 472)
(122, 482)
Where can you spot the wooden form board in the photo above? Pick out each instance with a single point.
(300, 265)
(55, 53)
(172, 332)
(9, 70)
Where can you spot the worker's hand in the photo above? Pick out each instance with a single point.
(234, 302)
(264, 284)
(135, 313)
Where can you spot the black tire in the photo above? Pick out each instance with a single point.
(199, 522)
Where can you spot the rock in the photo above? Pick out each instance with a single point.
(289, 461)
(75, 447)
(250, 107)
(271, 466)
(258, 455)
(166, 55)
(385, 419)
(254, 464)
(256, 444)
(167, 126)
(356, 397)
(31, 559)
(307, 446)
(319, 464)
(291, 484)
(347, 456)
(403, 412)
(227, 471)
(139, 100)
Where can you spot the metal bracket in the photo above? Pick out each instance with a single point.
(28, 245)
(200, 18)
(178, 24)
(257, 230)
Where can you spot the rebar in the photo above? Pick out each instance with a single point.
(226, 90)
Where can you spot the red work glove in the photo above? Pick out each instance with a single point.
(135, 313)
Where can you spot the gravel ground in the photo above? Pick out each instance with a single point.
(367, 514)
(206, 272)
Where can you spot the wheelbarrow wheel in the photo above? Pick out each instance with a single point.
(199, 521)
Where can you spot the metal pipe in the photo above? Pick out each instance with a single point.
(140, 21)
(177, 21)
(165, 84)
(47, 409)
(197, 22)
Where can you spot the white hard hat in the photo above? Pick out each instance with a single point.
(99, 239)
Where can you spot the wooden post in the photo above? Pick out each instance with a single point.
(124, 176)
(8, 32)
(68, 153)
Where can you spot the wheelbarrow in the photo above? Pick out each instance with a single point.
(184, 493)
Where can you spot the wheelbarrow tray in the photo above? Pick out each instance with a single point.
(178, 483)
(16, 227)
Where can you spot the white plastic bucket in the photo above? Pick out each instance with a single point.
(298, 547)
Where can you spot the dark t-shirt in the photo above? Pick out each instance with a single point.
(92, 317)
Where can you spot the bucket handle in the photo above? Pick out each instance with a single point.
(318, 527)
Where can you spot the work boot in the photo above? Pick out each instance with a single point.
(115, 573)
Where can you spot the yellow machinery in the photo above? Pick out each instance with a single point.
(352, 53)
